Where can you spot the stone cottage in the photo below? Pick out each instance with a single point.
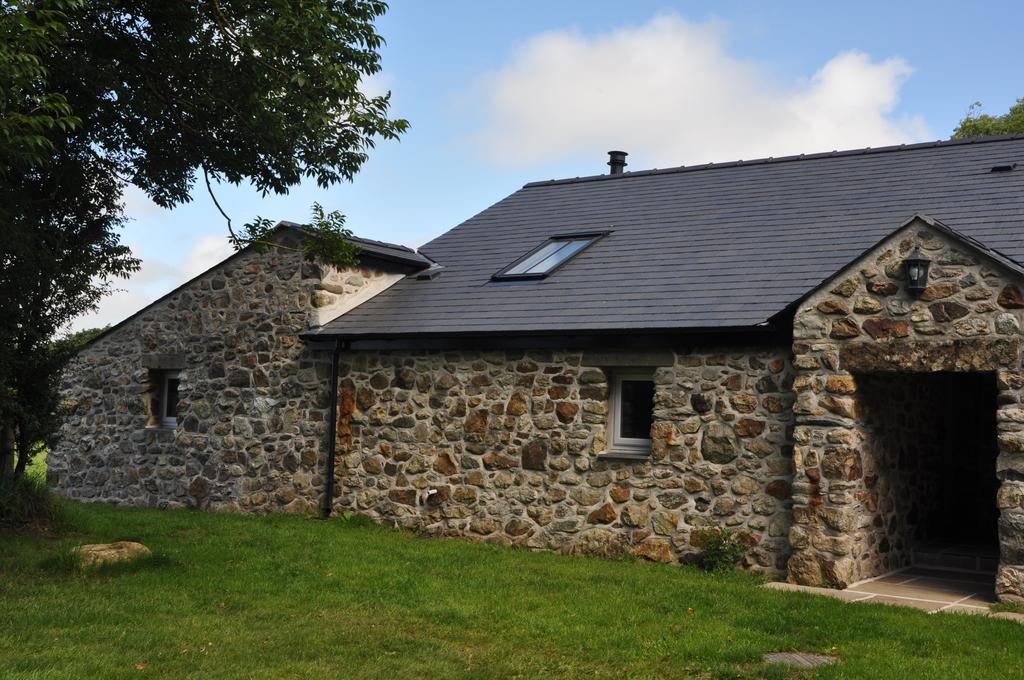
(822, 352)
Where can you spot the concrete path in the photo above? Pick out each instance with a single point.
(931, 590)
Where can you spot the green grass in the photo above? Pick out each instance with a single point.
(281, 596)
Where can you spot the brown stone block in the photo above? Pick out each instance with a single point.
(496, 461)
(566, 411)
(199, 488)
(839, 519)
(1010, 297)
(438, 495)
(445, 464)
(518, 527)
(405, 378)
(365, 398)
(635, 515)
(619, 493)
(779, 488)
(867, 305)
(883, 329)
(841, 406)
(464, 494)
(476, 421)
(558, 391)
(1009, 380)
(846, 288)
(403, 496)
(804, 568)
(1010, 583)
(844, 328)
(841, 384)
(743, 403)
(841, 462)
(749, 427)
(535, 454)
(1010, 495)
(948, 311)
(883, 288)
(517, 405)
(759, 447)
(833, 307)
(938, 291)
(655, 550)
(719, 444)
(602, 515)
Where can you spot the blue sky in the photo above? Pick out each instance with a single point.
(499, 94)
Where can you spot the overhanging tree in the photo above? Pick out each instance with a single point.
(168, 96)
(978, 124)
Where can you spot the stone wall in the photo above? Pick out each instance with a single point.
(505, 447)
(968, 319)
(253, 397)
(905, 438)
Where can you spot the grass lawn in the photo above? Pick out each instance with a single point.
(284, 596)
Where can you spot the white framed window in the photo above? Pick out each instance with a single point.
(549, 256)
(631, 412)
(165, 398)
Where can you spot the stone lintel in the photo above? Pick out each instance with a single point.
(976, 354)
(166, 362)
(629, 358)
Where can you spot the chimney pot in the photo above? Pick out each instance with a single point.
(617, 162)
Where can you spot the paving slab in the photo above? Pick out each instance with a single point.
(930, 590)
(923, 605)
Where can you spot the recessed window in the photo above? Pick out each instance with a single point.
(164, 398)
(632, 412)
(547, 257)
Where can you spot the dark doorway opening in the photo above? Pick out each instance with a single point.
(929, 449)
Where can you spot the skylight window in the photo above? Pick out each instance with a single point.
(548, 257)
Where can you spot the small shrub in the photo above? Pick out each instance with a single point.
(26, 502)
(354, 520)
(721, 549)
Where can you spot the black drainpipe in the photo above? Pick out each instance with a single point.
(332, 432)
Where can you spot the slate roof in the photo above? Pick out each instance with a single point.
(711, 247)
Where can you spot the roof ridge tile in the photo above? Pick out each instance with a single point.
(835, 153)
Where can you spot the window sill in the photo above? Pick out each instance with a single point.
(626, 454)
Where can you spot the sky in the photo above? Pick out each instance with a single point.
(500, 94)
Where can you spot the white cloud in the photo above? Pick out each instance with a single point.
(670, 93)
(376, 85)
(208, 251)
(138, 204)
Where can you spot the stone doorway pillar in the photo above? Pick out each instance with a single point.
(1010, 498)
(864, 320)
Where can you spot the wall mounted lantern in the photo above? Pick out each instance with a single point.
(916, 265)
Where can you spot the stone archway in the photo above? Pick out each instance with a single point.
(865, 322)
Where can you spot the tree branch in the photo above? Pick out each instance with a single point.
(235, 239)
